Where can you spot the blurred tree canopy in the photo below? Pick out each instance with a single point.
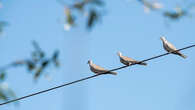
(35, 65)
(2, 25)
(90, 9)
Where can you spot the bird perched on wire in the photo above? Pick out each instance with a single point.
(128, 61)
(170, 47)
(99, 70)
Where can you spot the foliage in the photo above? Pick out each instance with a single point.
(170, 14)
(38, 61)
(35, 65)
(87, 8)
(5, 92)
(2, 25)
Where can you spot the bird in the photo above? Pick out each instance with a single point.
(99, 70)
(170, 47)
(128, 61)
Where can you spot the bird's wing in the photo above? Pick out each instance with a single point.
(98, 68)
(171, 46)
(128, 59)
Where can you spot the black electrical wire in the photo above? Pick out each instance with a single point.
(73, 82)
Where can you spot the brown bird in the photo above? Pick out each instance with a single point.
(99, 70)
(128, 61)
(170, 47)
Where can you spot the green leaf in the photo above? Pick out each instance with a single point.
(55, 55)
(38, 53)
(30, 65)
(5, 92)
(55, 58)
(97, 2)
(38, 72)
(2, 76)
(79, 5)
(45, 63)
(57, 63)
(92, 18)
(3, 96)
(69, 17)
(175, 15)
(2, 25)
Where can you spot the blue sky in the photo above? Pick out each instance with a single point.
(166, 83)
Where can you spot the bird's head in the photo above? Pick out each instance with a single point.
(119, 53)
(162, 38)
(89, 62)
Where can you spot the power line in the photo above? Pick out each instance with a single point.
(73, 82)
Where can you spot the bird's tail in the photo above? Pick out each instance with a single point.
(114, 73)
(180, 54)
(143, 63)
